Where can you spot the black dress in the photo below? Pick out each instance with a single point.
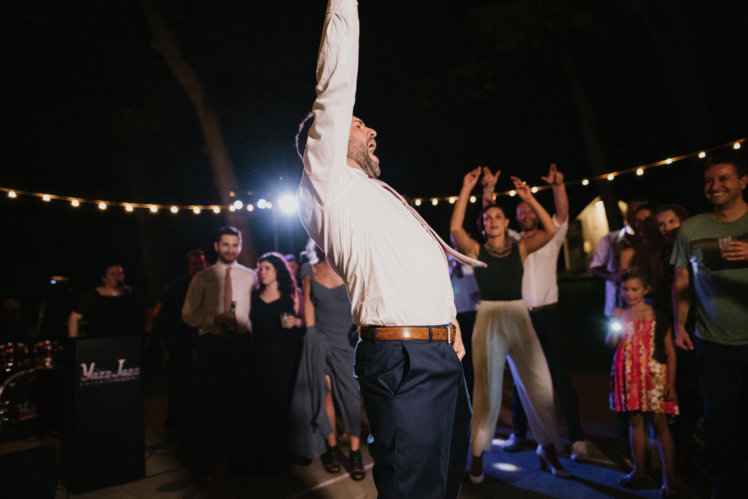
(275, 360)
(107, 316)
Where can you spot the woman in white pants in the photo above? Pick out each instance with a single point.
(503, 328)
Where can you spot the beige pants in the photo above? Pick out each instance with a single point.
(503, 328)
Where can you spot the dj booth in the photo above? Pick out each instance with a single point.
(103, 437)
(87, 390)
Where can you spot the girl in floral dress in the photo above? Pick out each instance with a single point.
(643, 376)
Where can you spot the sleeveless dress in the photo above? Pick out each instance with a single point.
(503, 331)
(638, 380)
(327, 350)
(275, 359)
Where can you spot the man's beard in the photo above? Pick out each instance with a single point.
(360, 154)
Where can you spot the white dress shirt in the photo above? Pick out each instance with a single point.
(605, 256)
(395, 271)
(204, 299)
(539, 283)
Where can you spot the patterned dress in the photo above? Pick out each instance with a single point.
(638, 380)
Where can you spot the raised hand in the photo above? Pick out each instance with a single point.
(489, 180)
(554, 176)
(471, 178)
(523, 190)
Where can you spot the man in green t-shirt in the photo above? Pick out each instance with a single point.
(715, 246)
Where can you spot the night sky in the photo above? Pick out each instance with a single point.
(93, 111)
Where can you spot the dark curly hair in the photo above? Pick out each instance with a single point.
(286, 280)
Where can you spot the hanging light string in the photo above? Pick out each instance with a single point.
(638, 170)
(263, 204)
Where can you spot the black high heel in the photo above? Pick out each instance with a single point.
(549, 461)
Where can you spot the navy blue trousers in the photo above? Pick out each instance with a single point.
(419, 416)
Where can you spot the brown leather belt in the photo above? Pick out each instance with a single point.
(542, 307)
(399, 333)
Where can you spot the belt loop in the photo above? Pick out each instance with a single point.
(431, 334)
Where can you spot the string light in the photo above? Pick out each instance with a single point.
(237, 204)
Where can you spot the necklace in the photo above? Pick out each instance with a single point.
(499, 251)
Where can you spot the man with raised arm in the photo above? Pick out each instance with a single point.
(394, 266)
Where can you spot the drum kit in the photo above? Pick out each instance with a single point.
(27, 381)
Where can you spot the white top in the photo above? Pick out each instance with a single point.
(204, 299)
(539, 284)
(605, 256)
(395, 271)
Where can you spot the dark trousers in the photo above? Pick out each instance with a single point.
(723, 373)
(220, 392)
(419, 415)
(547, 324)
(466, 320)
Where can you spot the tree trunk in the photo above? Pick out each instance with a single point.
(165, 44)
(597, 156)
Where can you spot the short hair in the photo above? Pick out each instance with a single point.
(680, 211)
(637, 273)
(646, 206)
(302, 134)
(731, 157)
(228, 230)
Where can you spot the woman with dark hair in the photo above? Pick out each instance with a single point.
(503, 330)
(111, 309)
(325, 379)
(277, 346)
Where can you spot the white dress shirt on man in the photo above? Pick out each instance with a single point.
(395, 270)
(204, 299)
(539, 283)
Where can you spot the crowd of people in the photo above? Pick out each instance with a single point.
(262, 361)
(273, 365)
